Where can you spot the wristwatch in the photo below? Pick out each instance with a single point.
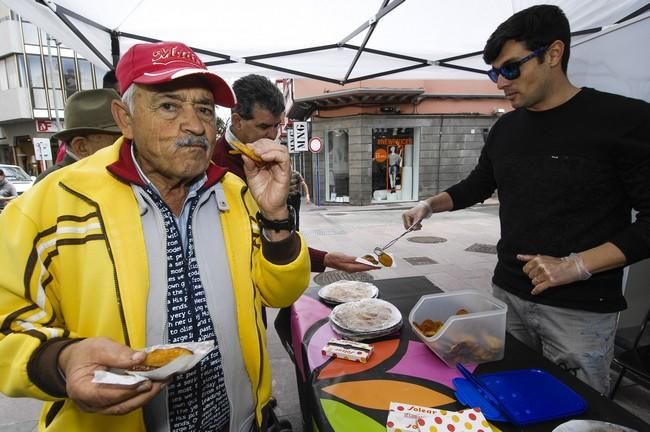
(278, 225)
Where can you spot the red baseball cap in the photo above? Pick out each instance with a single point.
(161, 62)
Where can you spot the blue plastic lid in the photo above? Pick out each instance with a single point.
(528, 396)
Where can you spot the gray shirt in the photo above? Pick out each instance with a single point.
(7, 190)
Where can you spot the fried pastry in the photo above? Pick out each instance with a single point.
(243, 148)
(160, 357)
(429, 327)
(385, 259)
(370, 259)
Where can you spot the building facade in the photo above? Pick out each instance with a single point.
(37, 75)
(392, 140)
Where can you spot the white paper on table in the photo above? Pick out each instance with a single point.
(178, 365)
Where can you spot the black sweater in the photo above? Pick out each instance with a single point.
(567, 180)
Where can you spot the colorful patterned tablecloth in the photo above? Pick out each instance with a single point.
(339, 395)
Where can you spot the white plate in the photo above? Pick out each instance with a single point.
(366, 316)
(358, 336)
(590, 426)
(344, 291)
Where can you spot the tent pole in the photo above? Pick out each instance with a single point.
(52, 81)
(363, 45)
(115, 47)
(55, 9)
(383, 11)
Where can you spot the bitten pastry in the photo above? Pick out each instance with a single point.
(160, 357)
(370, 258)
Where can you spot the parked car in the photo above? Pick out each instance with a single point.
(17, 177)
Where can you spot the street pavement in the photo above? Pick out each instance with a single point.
(444, 260)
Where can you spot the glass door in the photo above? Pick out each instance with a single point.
(337, 175)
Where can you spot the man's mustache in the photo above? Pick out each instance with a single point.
(193, 141)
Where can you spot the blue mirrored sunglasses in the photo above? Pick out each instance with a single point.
(511, 71)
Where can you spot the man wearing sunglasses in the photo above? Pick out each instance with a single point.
(569, 164)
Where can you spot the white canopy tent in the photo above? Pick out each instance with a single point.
(343, 41)
(335, 40)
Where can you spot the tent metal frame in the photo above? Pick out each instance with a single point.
(387, 6)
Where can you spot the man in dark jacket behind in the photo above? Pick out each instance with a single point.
(259, 113)
(89, 126)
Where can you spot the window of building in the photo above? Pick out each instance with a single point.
(48, 40)
(69, 76)
(85, 75)
(13, 79)
(52, 71)
(35, 70)
(36, 81)
(22, 73)
(4, 82)
(30, 33)
(9, 72)
(392, 164)
(40, 101)
(5, 13)
(58, 103)
(99, 75)
(337, 175)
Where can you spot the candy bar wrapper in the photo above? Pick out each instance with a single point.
(407, 417)
(348, 350)
(399, 421)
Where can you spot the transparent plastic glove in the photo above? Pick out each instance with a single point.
(546, 271)
(421, 211)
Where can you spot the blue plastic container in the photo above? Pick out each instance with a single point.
(528, 395)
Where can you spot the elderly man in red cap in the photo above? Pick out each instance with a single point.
(148, 243)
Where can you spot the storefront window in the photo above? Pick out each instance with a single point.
(69, 76)
(392, 164)
(337, 175)
(85, 75)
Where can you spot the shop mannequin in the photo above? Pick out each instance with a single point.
(394, 162)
